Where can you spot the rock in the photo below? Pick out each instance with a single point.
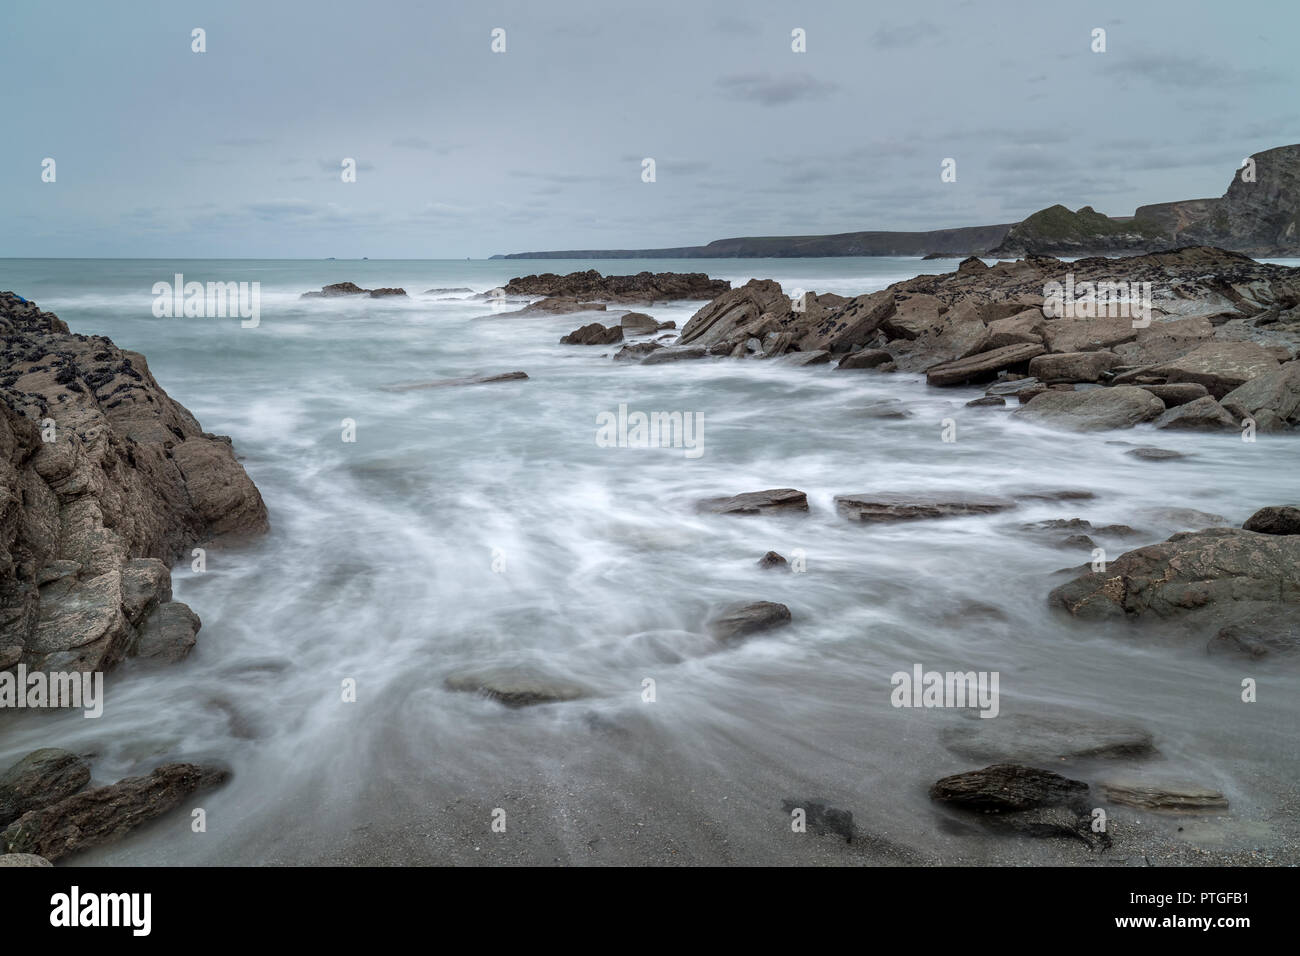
(972, 265)
(983, 365)
(1006, 787)
(1149, 453)
(1276, 391)
(555, 305)
(130, 484)
(382, 293)
(1023, 327)
(1105, 408)
(1073, 366)
(914, 316)
(594, 334)
(663, 356)
(1054, 494)
(819, 357)
(168, 634)
(1202, 414)
(1087, 335)
(751, 310)
(869, 508)
(456, 382)
(757, 502)
(516, 686)
(986, 400)
(884, 408)
(445, 291)
(1047, 737)
(864, 358)
(638, 322)
(821, 818)
(648, 287)
(23, 859)
(742, 620)
(98, 816)
(39, 779)
(1220, 366)
(840, 329)
(1162, 795)
(1258, 631)
(1275, 519)
(1179, 394)
(1191, 571)
(338, 288)
(772, 560)
(636, 351)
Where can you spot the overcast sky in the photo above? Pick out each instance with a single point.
(163, 152)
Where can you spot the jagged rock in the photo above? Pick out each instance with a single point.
(864, 358)
(1011, 386)
(39, 779)
(1275, 519)
(382, 293)
(648, 287)
(983, 365)
(869, 508)
(516, 686)
(914, 316)
(1098, 409)
(129, 476)
(1023, 327)
(168, 634)
(772, 560)
(1168, 796)
(1220, 366)
(98, 816)
(840, 329)
(1166, 340)
(743, 620)
(1202, 414)
(757, 502)
(555, 305)
(1072, 366)
(1191, 571)
(987, 400)
(1006, 788)
(350, 288)
(751, 310)
(636, 352)
(1179, 394)
(593, 334)
(638, 322)
(819, 357)
(1276, 391)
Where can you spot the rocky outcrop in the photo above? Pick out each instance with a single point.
(757, 502)
(104, 814)
(1097, 410)
(104, 482)
(869, 508)
(1202, 414)
(1006, 788)
(351, 288)
(644, 287)
(39, 779)
(1190, 572)
(555, 305)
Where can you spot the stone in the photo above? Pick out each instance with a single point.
(39, 779)
(1168, 796)
(1122, 406)
(1276, 391)
(1073, 366)
(1047, 737)
(1275, 519)
(1177, 394)
(743, 620)
(864, 358)
(1087, 335)
(1258, 631)
(1202, 414)
(772, 560)
(23, 859)
(666, 355)
(1221, 367)
(987, 400)
(516, 686)
(594, 334)
(869, 508)
(1150, 453)
(757, 502)
(168, 634)
(982, 365)
(1006, 788)
(457, 382)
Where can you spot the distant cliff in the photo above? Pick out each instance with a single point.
(1258, 216)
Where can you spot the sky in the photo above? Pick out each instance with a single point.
(460, 151)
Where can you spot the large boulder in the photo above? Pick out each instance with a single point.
(1007, 788)
(1276, 391)
(1191, 571)
(1087, 335)
(1220, 366)
(1202, 414)
(594, 334)
(1275, 519)
(838, 327)
(1073, 366)
(751, 310)
(1094, 410)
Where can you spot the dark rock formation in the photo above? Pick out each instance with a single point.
(593, 334)
(868, 508)
(757, 502)
(351, 288)
(741, 620)
(648, 287)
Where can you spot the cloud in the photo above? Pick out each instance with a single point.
(770, 89)
(1183, 72)
(898, 35)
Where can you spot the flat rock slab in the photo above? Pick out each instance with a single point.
(757, 502)
(1047, 738)
(982, 365)
(516, 686)
(905, 507)
(1176, 797)
(1095, 410)
(1220, 366)
(1150, 453)
(741, 620)
(1007, 788)
(466, 380)
(663, 356)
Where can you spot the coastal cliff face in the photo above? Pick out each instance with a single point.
(104, 482)
(1259, 215)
